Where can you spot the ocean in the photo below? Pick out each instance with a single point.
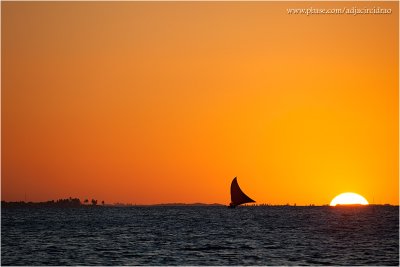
(200, 235)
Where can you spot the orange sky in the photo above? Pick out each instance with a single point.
(167, 102)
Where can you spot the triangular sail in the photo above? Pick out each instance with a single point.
(237, 195)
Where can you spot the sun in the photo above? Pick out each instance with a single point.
(349, 199)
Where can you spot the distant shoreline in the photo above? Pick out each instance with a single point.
(67, 203)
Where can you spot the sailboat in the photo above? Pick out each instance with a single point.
(237, 195)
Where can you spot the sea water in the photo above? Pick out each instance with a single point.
(195, 235)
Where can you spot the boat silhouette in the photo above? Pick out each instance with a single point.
(237, 195)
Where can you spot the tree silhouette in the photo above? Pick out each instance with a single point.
(86, 201)
(102, 203)
(94, 202)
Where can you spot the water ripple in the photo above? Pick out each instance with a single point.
(200, 236)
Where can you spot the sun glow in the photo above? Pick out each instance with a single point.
(349, 199)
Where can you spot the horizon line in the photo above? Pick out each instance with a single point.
(118, 204)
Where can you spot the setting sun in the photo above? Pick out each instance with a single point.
(349, 199)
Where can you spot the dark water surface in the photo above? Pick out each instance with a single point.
(200, 236)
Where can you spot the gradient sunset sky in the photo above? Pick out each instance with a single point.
(154, 102)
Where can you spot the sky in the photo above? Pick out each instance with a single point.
(147, 103)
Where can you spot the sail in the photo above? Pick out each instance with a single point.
(237, 195)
